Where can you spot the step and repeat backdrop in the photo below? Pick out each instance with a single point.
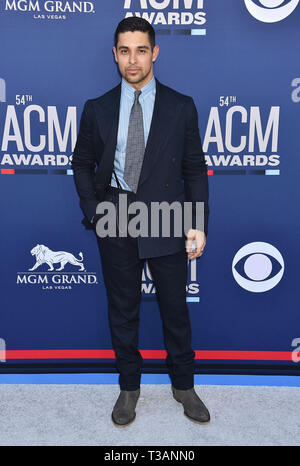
(239, 60)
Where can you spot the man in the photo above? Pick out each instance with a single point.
(144, 138)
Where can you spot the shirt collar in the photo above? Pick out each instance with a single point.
(146, 90)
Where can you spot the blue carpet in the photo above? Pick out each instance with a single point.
(157, 379)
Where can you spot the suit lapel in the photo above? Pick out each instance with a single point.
(161, 127)
(164, 112)
(107, 114)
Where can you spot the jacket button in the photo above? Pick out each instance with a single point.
(167, 185)
(173, 159)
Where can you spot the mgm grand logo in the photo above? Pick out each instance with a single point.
(56, 261)
(49, 6)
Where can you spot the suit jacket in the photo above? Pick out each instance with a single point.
(173, 169)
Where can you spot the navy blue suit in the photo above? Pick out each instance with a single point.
(174, 169)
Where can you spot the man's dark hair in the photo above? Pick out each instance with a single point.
(135, 23)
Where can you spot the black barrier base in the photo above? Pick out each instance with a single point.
(148, 368)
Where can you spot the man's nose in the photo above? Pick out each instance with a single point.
(132, 58)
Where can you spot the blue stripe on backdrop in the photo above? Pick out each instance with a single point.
(156, 379)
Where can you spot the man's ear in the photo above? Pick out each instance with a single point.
(115, 54)
(155, 53)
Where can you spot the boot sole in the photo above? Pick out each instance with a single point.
(191, 418)
(122, 425)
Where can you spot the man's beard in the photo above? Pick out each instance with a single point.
(136, 80)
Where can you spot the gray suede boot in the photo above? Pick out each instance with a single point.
(124, 409)
(194, 408)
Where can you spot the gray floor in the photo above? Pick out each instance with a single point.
(80, 415)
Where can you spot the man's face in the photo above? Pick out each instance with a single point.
(135, 57)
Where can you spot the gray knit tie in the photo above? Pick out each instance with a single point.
(135, 147)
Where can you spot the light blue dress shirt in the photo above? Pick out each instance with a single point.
(146, 99)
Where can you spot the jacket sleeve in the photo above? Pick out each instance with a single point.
(83, 165)
(194, 168)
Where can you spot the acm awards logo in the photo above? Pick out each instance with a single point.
(53, 131)
(55, 277)
(192, 287)
(296, 91)
(2, 350)
(271, 11)
(167, 12)
(240, 136)
(258, 267)
(2, 90)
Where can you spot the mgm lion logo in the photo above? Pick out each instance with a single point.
(44, 255)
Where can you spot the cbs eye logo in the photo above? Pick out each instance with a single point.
(258, 267)
(271, 11)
